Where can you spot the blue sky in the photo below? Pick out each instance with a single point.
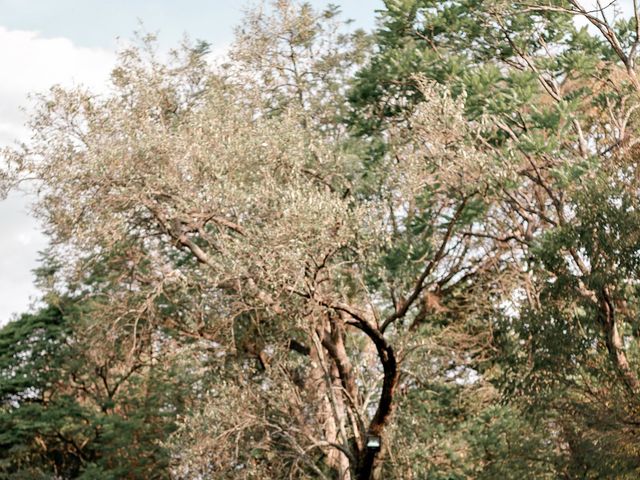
(93, 23)
(44, 42)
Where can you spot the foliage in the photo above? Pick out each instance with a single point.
(71, 412)
(430, 238)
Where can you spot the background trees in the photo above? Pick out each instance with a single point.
(429, 237)
(74, 407)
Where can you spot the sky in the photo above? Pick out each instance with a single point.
(74, 42)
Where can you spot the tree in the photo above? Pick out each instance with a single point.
(210, 203)
(447, 264)
(554, 107)
(77, 400)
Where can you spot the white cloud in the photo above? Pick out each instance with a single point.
(32, 64)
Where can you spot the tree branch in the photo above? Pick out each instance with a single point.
(405, 304)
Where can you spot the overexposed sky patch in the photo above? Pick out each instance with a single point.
(32, 64)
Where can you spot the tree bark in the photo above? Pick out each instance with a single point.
(332, 412)
(615, 344)
(369, 460)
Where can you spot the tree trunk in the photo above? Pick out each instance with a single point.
(332, 410)
(615, 344)
(370, 460)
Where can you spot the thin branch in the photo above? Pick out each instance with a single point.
(419, 285)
